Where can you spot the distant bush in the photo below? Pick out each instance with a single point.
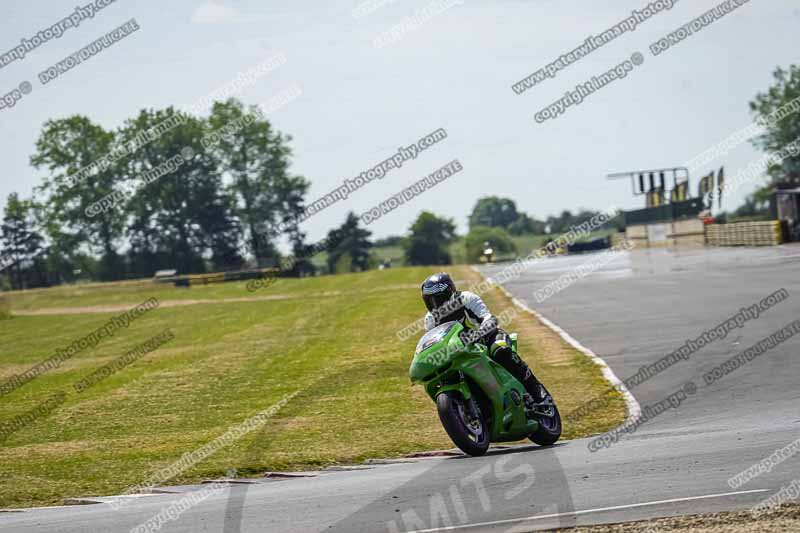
(499, 240)
(428, 240)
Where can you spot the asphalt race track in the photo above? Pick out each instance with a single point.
(631, 312)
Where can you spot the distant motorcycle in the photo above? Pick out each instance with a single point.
(478, 400)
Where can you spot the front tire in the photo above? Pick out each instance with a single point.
(470, 434)
(549, 419)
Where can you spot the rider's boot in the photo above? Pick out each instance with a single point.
(520, 370)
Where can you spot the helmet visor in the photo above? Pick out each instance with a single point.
(435, 301)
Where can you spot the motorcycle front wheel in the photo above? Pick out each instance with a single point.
(468, 431)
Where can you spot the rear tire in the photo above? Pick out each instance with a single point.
(549, 430)
(471, 436)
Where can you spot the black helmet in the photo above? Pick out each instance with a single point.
(437, 290)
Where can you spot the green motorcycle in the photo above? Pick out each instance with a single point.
(478, 400)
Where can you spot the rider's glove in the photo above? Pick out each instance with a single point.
(467, 337)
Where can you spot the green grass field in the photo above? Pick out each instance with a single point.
(234, 354)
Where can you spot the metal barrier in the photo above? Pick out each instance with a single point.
(218, 277)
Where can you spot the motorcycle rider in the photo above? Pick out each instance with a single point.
(446, 304)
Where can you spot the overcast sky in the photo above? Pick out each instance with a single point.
(360, 102)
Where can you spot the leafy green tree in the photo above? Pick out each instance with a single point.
(63, 249)
(427, 243)
(753, 208)
(782, 129)
(222, 231)
(350, 246)
(560, 223)
(65, 147)
(301, 265)
(21, 244)
(184, 215)
(779, 133)
(498, 239)
(256, 158)
(227, 183)
(525, 225)
(493, 212)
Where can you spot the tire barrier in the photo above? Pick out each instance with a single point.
(769, 233)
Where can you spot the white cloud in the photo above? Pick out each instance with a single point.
(214, 12)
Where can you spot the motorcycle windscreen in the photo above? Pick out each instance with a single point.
(434, 336)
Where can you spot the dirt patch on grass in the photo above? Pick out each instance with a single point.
(169, 303)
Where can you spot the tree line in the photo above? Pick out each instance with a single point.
(493, 222)
(169, 190)
(166, 190)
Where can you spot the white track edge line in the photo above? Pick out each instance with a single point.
(589, 511)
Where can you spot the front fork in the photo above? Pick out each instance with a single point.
(473, 410)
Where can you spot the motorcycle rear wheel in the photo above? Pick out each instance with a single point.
(470, 434)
